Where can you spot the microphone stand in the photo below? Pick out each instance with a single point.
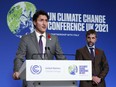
(58, 54)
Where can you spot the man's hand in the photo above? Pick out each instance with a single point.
(16, 75)
(96, 79)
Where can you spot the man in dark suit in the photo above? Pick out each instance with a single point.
(44, 45)
(100, 65)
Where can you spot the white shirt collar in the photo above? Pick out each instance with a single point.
(91, 47)
(38, 34)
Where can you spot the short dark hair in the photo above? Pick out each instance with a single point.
(40, 12)
(91, 31)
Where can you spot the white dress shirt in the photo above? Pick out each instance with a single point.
(93, 49)
(43, 39)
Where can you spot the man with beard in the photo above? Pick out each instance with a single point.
(100, 65)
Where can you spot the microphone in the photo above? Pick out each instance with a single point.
(45, 54)
(42, 55)
(58, 54)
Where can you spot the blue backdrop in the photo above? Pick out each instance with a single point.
(70, 40)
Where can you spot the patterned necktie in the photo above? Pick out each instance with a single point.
(91, 52)
(41, 44)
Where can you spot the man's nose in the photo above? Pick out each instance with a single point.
(44, 22)
(90, 39)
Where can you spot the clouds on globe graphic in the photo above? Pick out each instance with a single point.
(19, 18)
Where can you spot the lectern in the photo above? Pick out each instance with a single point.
(56, 73)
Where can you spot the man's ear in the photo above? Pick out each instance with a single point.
(34, 22)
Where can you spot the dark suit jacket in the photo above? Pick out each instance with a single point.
(100, 65)
(29, 46)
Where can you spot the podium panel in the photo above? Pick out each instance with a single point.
(56, 73)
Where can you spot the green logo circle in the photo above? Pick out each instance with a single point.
(72, 69)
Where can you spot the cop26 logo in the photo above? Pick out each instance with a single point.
(73, 69)
(35, 69)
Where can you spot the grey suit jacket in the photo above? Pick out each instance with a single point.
(29, 49)
(29, 46)
(100, 65)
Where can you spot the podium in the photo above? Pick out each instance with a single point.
(56, 73)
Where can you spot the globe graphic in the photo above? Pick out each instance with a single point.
(72, 69)
(19, 18)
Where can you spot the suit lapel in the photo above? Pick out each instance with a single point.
(47, 40)
(47, 56)
(34, 39)
(96, 53)
(88, 56)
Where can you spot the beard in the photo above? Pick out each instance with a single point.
(90, 44)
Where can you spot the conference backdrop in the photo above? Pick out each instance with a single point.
(69, 20)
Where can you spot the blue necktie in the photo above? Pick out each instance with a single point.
(91, 52)
(41, 44)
